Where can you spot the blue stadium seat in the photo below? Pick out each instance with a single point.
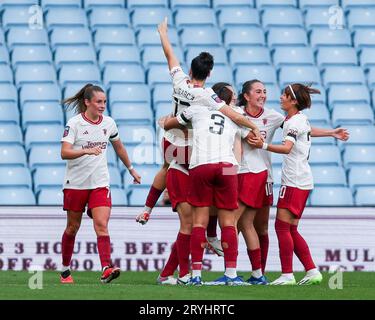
(361, 176)
(361, 18)
(276, 174)
(65, 17)
(42, 155)
(238, 16)
(283, 56)
(4, 54)
(16, 196)
(261, 4)
(187, 17)
(142, 154)
(365, 196)
(134, 134)
(146, 171)
(191, 3)
(244, 36)
(78, 73)
(273, 93)
(110, 54)
(286, 37)
(90, 4)
(31, 54)
(48, 177)
(367, 58)
(325, 155)
(304, 74)
(361, 135)
(158, 74)
(218, 4)
(46, 4)
(109, 17)
(328, 56)
(249, 55)
(6, 74)
(18, 3)
(16, 177)
(74, 54)
(219, 54)
(155, 55)
(328, 176)
(68, 36)
(364, 38)
(150, 16)
(318, 114)
(344, 114)
(43, 134)
(9, 112)
(42, 112)
(220, 73)
(115, 180)
(348, 94)
(137, 197)
(114, 36)
(205, 35)
(26, 36)
(39, 92)
(358, 155)
(16, 17)
(50, 197)
(321, 18)
(266, 74)
(2, 38)
(282, 17)
(371, 78)
(111, 156)
(307, 4)
(120, 93)
(162, 93)
(8, 93)
(148, 36)
(331, 196)
(147, 3)
(10, 133)
(123, 73)
(320, 37)
(162, 109)
(35, 73)
(118, 197)
(132, 112)
(343, 75)
(13, 155)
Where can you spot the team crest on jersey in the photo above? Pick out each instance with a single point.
(216, 98)
(264, 122)
(105, 131)
(66, 131)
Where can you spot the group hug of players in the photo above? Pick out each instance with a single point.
(217, 168)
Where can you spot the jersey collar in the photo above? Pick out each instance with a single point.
(90, 121)
(287, 117)
(257, 115)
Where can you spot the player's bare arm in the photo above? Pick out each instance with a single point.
(338, 133)
(167, 47)
(172, 123)
(124, 157)
(68, 153)
(277, 148)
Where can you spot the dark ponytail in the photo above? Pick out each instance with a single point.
(246, 87)
(77, 102)
(301, 93)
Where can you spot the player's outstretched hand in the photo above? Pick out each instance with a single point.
(163, 26)
(255, 142)
(143, 218)
(95, 151)
(136, 176)
(341, 134)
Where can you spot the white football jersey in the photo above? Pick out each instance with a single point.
(257, 160)
(88, 171)
(296, 171)
(213, 135)
(185, 94)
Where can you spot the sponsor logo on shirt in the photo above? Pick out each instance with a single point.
(102, 145)
(216, 98)
(66, 131)
(86, 132)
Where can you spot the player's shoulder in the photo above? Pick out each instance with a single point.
(239, 110)
(108, 119)
(75, 120)
(272, 113)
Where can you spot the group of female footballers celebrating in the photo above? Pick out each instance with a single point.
(217, 167)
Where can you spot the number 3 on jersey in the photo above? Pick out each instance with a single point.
(218, 124)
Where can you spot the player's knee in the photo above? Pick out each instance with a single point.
(72, 229)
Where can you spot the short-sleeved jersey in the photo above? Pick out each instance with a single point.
(213, 135)
(296, 171)
(88, 171)
(257, 160)
(185, 94)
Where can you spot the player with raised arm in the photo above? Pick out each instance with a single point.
(86, 182)
(297, 182)
(187, 91)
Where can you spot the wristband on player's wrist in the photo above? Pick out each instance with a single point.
(265, 146)
(130, 168)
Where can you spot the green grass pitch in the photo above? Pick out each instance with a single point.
(142, 286)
